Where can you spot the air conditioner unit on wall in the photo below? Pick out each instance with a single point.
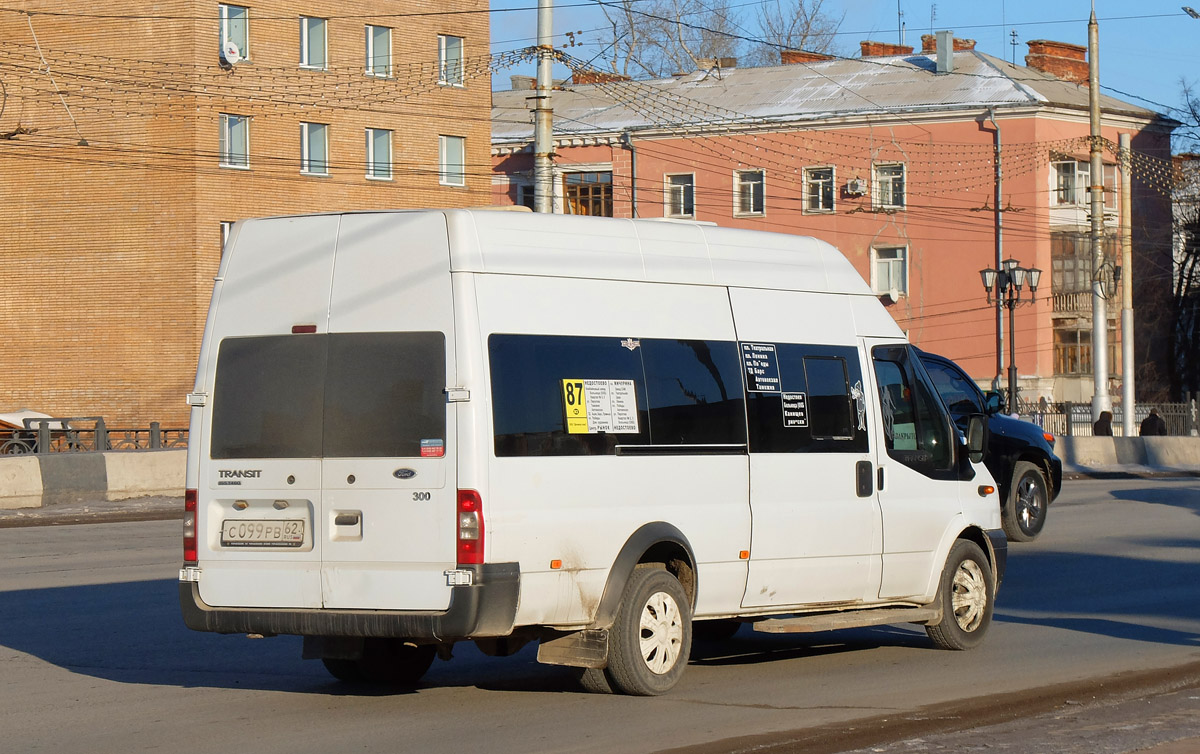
(856, 187)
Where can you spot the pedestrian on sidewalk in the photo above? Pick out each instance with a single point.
(1153, 424)
(1103, 425)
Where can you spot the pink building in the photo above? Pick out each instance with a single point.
(891, 157)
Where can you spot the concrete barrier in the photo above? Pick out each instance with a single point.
(1134, 453)
(20, 482)
(27, 480)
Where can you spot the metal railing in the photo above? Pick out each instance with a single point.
(84, 434)
(1075, 419)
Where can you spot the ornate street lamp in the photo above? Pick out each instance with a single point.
(1007, 282)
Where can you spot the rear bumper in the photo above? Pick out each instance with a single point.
(487, 607)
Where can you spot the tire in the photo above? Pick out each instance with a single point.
(715, 630)
(967, 594)
(593, 680)
(390, 662)
(649, 644)
(1024, 512)
(346, 671)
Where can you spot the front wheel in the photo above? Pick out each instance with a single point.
(649, 644)
(967, 594)
(1024, 512)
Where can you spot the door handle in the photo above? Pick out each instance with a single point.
(863, 478)
(346, 519)
(879, 479)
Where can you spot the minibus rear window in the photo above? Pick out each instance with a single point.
(267, 397)
(335, 396)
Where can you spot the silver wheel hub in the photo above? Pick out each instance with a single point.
(969, 601)
(661, 632)
(1029, 502)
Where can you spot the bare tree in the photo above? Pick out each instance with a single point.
(656, 38)
(1185, 205)
(1187, 136)
(792, 25)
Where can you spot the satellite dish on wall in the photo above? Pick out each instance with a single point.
(230, 54)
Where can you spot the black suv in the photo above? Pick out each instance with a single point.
(1020, 455)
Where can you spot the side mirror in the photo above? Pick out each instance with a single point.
(977, 438)
(993, 402)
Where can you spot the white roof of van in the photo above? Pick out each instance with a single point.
(645, 250)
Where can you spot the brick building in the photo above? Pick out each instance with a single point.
(890, 157)
(131, 135)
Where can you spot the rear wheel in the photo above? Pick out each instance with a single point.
(384, 661)
(650, 641)
(967, 594)
(1024, 512)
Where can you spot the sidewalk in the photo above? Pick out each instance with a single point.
(92, 509)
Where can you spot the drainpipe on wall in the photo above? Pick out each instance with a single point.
(627, 142)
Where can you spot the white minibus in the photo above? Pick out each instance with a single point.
(416, 428)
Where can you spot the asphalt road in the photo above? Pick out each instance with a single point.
(1100, 611)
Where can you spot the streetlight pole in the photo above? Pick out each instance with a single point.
(1007, 282)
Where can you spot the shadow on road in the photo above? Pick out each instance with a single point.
(133, 632)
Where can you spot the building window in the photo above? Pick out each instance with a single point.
(889, 186)
(235, 27)
(235, 141)
(1073, 350)
(889, 269)
(314, 148)
(452, 152)
(1071, 263)
(379, 154)
(525, 195)
(379, 51)
(450, 60)
(1112, 199)
(681, 195)
(312, 43)
(749, 192)
(588, 194)
(818, 190)
(1072, 184)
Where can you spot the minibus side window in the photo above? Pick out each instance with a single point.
(916, 428)
(267, 397)
(695, 392)
(535, 376)
(817, 404)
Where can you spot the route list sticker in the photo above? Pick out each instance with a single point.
(762, 368)
(594, 406)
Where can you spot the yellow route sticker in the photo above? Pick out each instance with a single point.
(576, 406)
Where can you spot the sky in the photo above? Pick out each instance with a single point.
(1146, 47)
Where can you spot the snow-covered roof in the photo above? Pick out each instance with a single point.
(802, 92)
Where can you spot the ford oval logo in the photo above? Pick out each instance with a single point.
(404, 473)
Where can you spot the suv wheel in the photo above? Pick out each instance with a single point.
(1024, 512)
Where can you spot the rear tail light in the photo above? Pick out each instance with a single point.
(470, 528)
(189, 527)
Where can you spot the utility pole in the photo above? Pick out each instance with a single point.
(999, 221)
(1127, 367)
(543, 115)
(1100, 398)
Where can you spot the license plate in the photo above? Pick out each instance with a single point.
(255, 533)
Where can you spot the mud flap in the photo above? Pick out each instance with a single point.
(580, 649)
